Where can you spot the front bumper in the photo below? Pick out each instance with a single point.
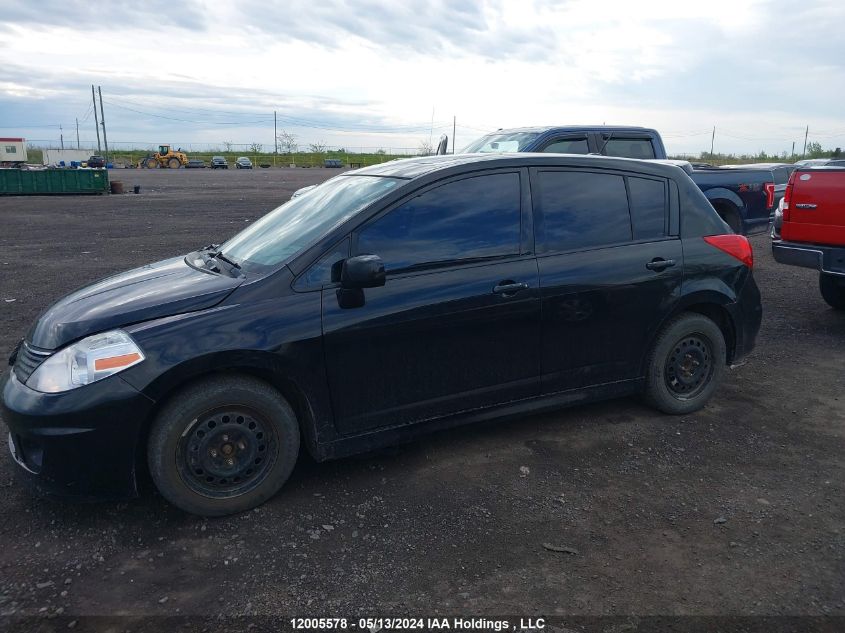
(826, 259)
(80, 443)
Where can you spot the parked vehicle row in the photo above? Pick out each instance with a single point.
(809, 228)
(386, 302)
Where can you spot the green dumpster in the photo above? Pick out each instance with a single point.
(44, 182)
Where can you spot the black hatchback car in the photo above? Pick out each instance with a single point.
(389, 301)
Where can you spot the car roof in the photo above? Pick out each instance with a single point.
(572, 128)
(410, 168)
(758, 166)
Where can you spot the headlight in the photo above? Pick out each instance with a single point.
(86, 361)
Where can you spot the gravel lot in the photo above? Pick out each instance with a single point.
(736, 510)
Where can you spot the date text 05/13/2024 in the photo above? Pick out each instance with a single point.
(417, 624)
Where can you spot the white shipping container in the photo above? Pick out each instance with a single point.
(12, 150)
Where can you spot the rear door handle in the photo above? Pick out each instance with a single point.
(508, 288)
(659, 264)
(806, 205)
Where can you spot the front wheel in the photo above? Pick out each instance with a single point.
(833, 290)
(223, 445)
(686, 364)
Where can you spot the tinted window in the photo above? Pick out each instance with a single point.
(284, 232)
(582, 209)
(502, 142)
(320, 272)
(781, 175)
(648, 208)
(568, 146)
(629, 148)
(475, 217)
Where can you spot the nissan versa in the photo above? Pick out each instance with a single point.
(397, 299)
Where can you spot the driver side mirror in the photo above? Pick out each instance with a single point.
(362, 271)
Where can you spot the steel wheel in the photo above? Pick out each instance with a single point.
(226, 452)
(689, 366)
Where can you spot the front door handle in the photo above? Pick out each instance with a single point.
(658, 264)
(509, 288)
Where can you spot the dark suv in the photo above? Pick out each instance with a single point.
(97, 162)
(388, 301)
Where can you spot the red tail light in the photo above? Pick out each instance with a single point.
(787, 196)
(736, 246)
(769, 188)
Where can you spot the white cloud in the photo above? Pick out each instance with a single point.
(365, 66)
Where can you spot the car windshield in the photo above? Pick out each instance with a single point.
(501, 142)
(304, 219)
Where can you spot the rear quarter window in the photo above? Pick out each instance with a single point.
(648, 207)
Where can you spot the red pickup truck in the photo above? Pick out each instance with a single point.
(809, 228)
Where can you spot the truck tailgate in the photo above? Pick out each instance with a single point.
(816, 211)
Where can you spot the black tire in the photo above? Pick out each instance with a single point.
(833, 290)
(686, 364)
(223, 445)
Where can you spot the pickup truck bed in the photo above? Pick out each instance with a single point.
(744, 196)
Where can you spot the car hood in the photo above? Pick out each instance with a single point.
(157, 290)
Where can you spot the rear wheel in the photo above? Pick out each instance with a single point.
(174, 163)
(833, 290)
(686, 364)
(223, 446)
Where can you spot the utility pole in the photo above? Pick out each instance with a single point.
(454, 118)
(275, 139)
(793, 149)
(77, 133)
(103, 122)
(712, 141)
(806, 133)
(61, 137)
(96, 124)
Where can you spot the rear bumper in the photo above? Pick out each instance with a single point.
(81, 443)
(826, 259)
(747, 315)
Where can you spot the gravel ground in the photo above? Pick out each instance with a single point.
(736, 510)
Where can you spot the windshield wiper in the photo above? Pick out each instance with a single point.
(219, 255)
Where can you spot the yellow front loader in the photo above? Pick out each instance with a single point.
(165, 157)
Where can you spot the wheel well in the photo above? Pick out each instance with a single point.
(720, 317)
(288, 388)
(726, 209)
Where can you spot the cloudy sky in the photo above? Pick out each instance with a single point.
(391, 74)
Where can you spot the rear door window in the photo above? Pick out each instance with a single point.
(572, 145)
(629, 148)
(477, 217)
(582, 210)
